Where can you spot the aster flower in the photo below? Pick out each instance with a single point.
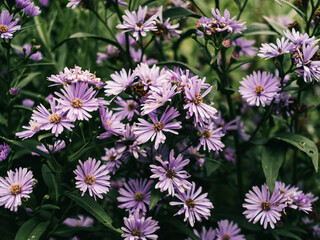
(228, 230)
(110, 52)
(165, 29)
(310, 70)
(73, 3)
(57, 146)
(14, 91)
(136, 57)
(32, 10)
(56, 120)
(138, 227)
(171, 174)
(298, 39)
(195, 206)
(136, 22)
(135, 195)
(303, 202)
(82, 221)
(28, 103)
(7, 25)
(120, 82)
(146, 130)
(194, 103)
(259, 88)
(37, 56)
(158, 97)
(220, 122)
(112, 158)
(244, 47)
(183, 78)
(283, 102)
(44, 3)
(92, 176)
(4, 152)
(271, 50)
(77, 101)
(111, 123)
(260, 206)
(17, 185)
(205, 234)
(229, 155)
(127, 108)
(22, 3)
(210, 137)
(32, 129)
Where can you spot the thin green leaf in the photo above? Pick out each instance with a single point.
(94, 208)
(211, 166)
(302, 15)
(285, 233)
(272, 159)
(183, 228)
(181, 64)
(28, 79)
(43, 136)
(50, 180)
(178, 12)
(3, 120)
(302, 143)
(238, 3)
(257, 29)
(32, 229)
(50, 206)
(41, 28)
(275, 25)
(154, 198)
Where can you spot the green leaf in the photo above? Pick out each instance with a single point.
(272, 159)
(302, 15)
(178, 12)
(3, 120)
(275, 25)
(41, 28)
(94, 208)
(50, 180)
(257, 29)
(50, 206)
(183, 228)
(285, 233)
(89, 35)
(43, 136)
(31, 229)
(302, 143)
(31, 145)
(28, 79)
(154, 198)
(211, 166)
(181, 64)
(238, 3)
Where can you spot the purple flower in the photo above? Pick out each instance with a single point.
(37, 56)
(92, 176)
(244, 47)
(22, 3)
(146, 130)
(82, 221)
(44, 3)
(260, 206)
(111, 52)
(298, 39)
(171, 174)
(135, 195)
(195, 206)
(137, 22)
(57, 146)
(111, 123)
(32, 129)
(259, 88)
(195, 105)
(136, 56)
(210, 137)
(228, 230)
(120, 82)
(220, 122)
(310, 70)
(158, 97)
(56, 120)
(112, 158)
(17, 185)
(32, 10)
(229, 155)
(28, 103)
(7, 25)
(127, 110)
(283, 102)
(138, 227)
(73, 3)
(4, 152)
(205, 234)
(77, 101)
(14, 91)
(271, 50)
(303, 202)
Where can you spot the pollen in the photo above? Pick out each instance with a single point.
(76, 103)
(258, 90)
(136, 233)
(266, 206)
(90, 179)
(158, 126)
(15, 189)
(226, 237)
(170, 173)
(139, 196)
(55, 118)
(35, 126)
(131, 106)
(190, 203)
(3, 28)
(206, 134)
(198, 100)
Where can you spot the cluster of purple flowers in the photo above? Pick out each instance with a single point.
(28, 7)
(266, 207)
(303, 51)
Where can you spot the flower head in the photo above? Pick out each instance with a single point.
(92, 176)
(73, 3)
(137, 22)
(261, 206)
(4, 152)
(298, 38)
(155, 130)
(32, 10)
(120, 82)
(82, 221)
(271, 50)
(135, 195)
(112, 158)
(259, 88)
(228, 231)
(194, 205)
(7, 25)
(37, 56)
(127, 108)
(17, 185)
(22, 3)
(171, 175)
(210, 137)
(77, 101)
(57, 146)
(32, 129)
(244, 47)
(205, 234)
(138, 227)
(111, 123)
(164, 28)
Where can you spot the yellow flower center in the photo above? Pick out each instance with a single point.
(90, 179)
(206, 134)
(266, 206)
(55, 118)
(3, 28)
(76, 103)
(190, 203)
(170, 173)
(139, 196)
(15, 189)
(258, 90)
(137, 233)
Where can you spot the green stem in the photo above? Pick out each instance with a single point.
(242, 8)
